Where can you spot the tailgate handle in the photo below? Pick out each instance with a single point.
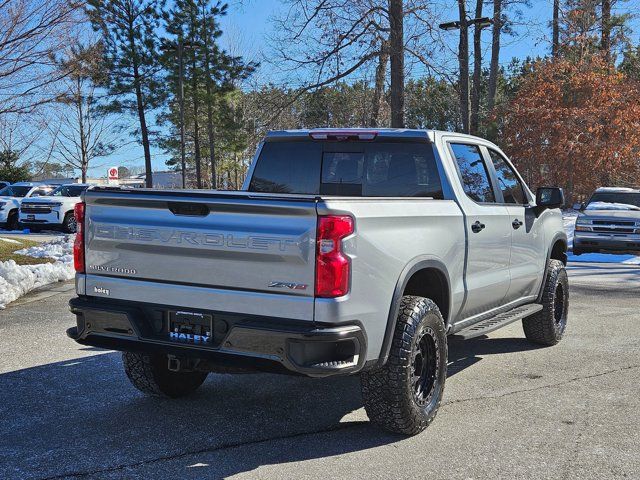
(189, 209)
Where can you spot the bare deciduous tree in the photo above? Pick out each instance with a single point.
(30, 32)
(329, 40)
(83, 132)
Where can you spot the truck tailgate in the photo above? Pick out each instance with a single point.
(252, 252)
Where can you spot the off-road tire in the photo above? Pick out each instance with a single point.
(69, 223)
(388, 391)
(548, 325)
(150, 374)
(12, 220)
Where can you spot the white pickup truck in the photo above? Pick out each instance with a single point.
(55, 211)
(12, 196)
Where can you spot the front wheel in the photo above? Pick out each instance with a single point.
(12, 221)
(151, 375)
(404, 395)
(69, 224)
(548, 325)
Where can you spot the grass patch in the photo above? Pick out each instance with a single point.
(8, 249)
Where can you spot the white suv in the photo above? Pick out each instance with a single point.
(12, 196)
(55, 211)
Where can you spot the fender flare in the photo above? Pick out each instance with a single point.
(558, 236)
(418, 263)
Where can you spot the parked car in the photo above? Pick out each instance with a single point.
(608, 222)
(350, 251)
(4, 184)
(11, 198)
(55, 211)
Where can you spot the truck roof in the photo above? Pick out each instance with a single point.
(361, 133)
(617, 190)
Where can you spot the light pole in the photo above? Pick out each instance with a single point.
(179, 47)
(463, 56)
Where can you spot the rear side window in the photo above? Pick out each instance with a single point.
(512, 190)
(288, 167)
(376, 169)
(473, 173)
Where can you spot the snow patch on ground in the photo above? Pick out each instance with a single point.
(569, 221)
(60, 249)
(17, 280)
(8, 240)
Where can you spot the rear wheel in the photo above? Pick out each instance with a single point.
(548, 326)
(151, 375)
(404, 395)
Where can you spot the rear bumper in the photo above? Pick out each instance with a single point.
(283, 346)
(593, 242)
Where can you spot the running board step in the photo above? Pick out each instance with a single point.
(499, 321)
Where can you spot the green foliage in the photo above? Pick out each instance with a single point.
(130, 51)
(10, 171)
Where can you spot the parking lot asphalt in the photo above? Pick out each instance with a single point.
(511, 409)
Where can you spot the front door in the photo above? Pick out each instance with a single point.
(528, 254)
(488, 228)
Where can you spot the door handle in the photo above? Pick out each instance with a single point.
(516, 224)
(477, 227)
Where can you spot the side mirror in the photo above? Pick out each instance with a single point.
(578, 206)
(549, 197)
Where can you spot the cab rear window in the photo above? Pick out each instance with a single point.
(376, 169)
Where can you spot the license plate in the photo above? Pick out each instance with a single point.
(31, 217)
(190, 327)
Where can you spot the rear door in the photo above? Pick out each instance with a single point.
(528, 247)
(488, 231)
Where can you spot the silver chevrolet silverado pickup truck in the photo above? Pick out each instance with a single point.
(348, 251)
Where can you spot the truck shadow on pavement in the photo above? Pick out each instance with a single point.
(82, 417)
(466, 353)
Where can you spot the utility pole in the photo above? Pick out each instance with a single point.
(463, 56)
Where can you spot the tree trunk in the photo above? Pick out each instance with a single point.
(396, 57)
(494, 68)
(144, 132)
(143, 129)
(477, 72)
(463, 61)
(605, 43)
(555, 45)
(210, 128)
(196, 124)
(381, 74)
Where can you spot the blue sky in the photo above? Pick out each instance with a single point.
(246, 29)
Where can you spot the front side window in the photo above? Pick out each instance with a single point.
(68, 191)
(473, 173)
(512, 189)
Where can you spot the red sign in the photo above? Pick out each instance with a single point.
(113, 173)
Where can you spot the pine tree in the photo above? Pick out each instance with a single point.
(128, 29)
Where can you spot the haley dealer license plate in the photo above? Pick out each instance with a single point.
(190, 327)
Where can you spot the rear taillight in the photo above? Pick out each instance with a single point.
(333, 267)
(78, 245)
